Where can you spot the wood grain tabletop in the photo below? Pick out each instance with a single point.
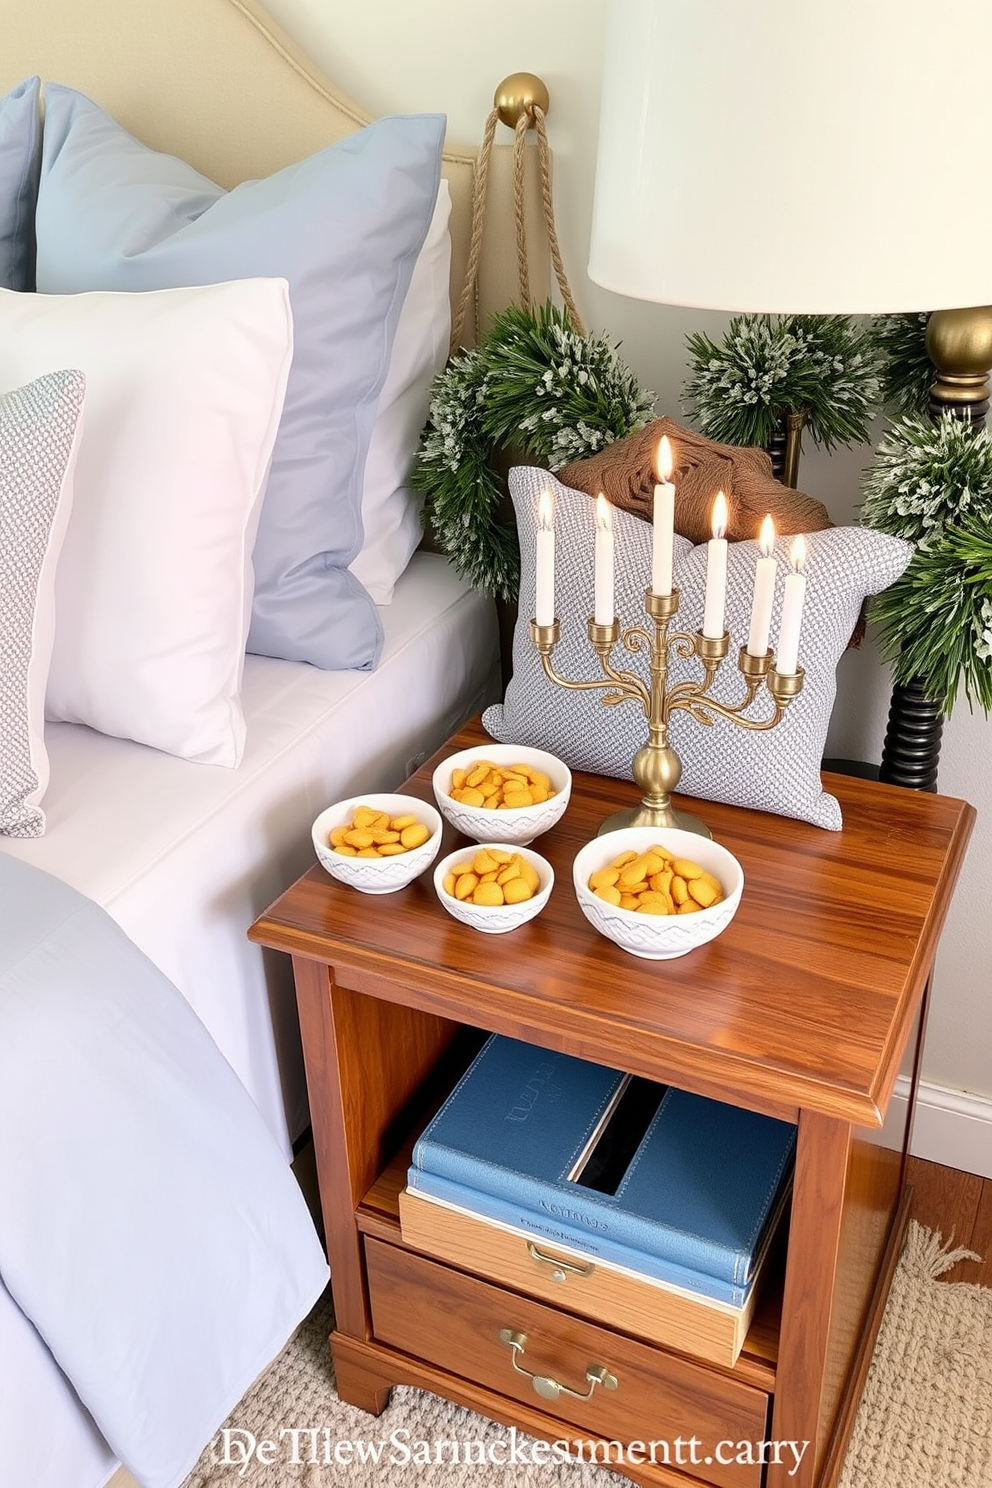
(804, 1002)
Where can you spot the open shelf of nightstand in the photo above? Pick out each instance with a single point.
(378, 1215)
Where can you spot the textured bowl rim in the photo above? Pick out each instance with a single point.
(348, 803)
(560, 798)
(543, 866)
(700, 917)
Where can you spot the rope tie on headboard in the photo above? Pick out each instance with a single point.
(519, 145)
(524, 113)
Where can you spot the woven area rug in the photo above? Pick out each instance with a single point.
(926, 1414)
(925, 1420)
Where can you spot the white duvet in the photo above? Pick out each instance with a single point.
(155, 1251)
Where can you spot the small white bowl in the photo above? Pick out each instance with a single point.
(658, 937)
(377, 875)
(515, 825)
(495, 919)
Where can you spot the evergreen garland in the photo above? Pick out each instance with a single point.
(931, 483)
(532, 383)
(905, 368)
(822, 366)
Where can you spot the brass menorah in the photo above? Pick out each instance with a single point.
(656, 766)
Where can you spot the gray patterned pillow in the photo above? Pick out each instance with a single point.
(39, 427)
(776, 771)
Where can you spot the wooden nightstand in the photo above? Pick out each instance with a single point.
(802, 1009)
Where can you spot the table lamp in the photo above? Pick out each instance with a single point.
(794, 156)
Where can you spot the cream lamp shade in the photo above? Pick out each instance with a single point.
(812, 156)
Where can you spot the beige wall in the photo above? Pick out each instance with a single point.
(405, 55)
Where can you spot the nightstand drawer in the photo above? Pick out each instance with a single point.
(563, 1277)
(490, 1335)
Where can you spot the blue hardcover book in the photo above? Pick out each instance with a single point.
(639, 1168)
(559, 1232)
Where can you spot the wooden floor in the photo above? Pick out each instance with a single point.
(959, 1205)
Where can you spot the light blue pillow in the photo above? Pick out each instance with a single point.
(344, 227)
(20, 137)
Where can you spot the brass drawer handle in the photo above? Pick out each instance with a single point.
(544, 1385)
(560, 1268)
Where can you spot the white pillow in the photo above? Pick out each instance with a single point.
(184, 391)
(390, 509)
(39, 439)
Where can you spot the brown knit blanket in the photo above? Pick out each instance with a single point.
(624, 472)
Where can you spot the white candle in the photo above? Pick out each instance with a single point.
(716, 572)
(604, 612)
(544, 602)
(787, 659)
(764, 592)
(663, 542)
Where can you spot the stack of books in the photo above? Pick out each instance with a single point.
(615, 1179)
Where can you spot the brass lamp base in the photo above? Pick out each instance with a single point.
(959, 343)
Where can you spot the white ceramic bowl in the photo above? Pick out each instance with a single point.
(377, 875)
(495, 919)
(658, 937)
(517, 825)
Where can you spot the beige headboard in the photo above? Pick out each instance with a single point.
(219, 84)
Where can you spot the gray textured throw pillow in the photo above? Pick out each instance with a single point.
(39, 426)
(777, 770)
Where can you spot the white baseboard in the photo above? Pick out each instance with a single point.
(951, 1127)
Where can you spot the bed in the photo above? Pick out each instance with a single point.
(173, 842)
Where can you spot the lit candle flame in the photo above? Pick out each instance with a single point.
(545, 511)
(767, 538)
(720, 515)
(603, 517)
(663, 462)
(797, 554)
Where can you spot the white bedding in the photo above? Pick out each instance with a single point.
(150, 1231)
(184, 856)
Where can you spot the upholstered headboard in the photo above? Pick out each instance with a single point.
(219, 84)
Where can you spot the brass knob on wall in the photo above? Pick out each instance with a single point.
(517, 95)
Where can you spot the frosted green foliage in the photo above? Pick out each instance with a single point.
(823, 366)
(537, 387)
(905, 368)
(931, 483)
